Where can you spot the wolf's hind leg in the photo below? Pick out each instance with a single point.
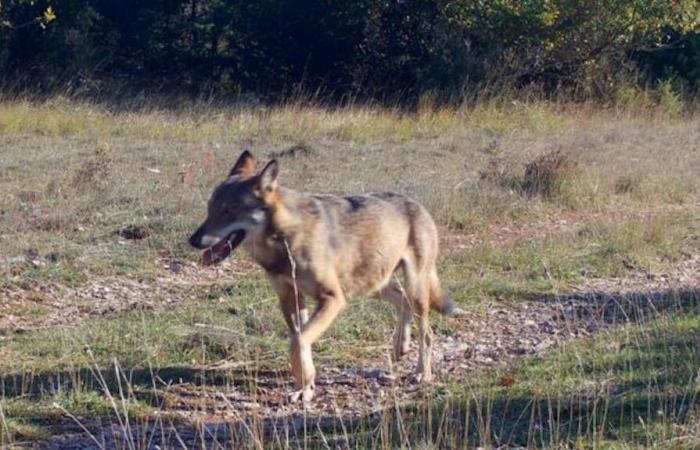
(425, 349)
(417, 288)
(402, 333)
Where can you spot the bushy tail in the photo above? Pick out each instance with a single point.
(439, 301)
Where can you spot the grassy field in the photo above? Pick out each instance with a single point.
(105, 314)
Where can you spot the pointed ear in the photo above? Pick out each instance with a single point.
(244, 166)
(268, 177)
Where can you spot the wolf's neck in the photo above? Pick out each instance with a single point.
(290, 209)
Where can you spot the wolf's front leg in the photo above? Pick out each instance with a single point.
(303, 369)
(296, 316)
(331, 301)
(292, 303)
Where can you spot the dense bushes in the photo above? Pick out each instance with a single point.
(383, 49)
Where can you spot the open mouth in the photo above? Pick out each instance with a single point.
(218, 252)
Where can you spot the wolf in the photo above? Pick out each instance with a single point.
(328, 248)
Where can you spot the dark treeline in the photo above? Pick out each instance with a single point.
(386, 50)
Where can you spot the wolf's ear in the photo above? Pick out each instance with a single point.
(268, 177)
(244, 166)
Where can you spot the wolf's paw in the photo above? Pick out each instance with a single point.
(458, 312)
(305, 395)
(424, 378)
(399, 351)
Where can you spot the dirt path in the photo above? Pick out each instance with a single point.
(178, 283)
(494, 337)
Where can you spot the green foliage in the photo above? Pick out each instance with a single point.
(387, 50)
(669, 98)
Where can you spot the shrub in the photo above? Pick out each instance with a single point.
(628, 184)
(547, 175)
(670, 100)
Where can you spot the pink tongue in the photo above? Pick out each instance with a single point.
(220, 251)
(216, 253)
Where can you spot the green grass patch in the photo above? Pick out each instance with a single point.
(555, 262)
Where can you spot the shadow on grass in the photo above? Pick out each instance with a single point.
(37, 385)
(621, 308)
(637, 384)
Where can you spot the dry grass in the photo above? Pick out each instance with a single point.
(80, 172)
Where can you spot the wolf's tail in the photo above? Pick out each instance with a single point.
(439, 301)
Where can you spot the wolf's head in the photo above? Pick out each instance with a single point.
(236, 207)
